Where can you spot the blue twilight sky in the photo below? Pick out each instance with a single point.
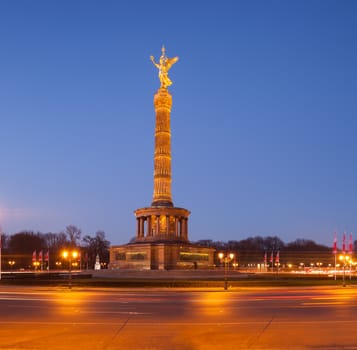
(264, 128)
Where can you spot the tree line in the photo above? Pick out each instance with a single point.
(18, 249)
(254, 250)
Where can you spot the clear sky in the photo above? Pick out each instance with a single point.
(264, 128)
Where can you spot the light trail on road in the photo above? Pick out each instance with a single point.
(255, 318)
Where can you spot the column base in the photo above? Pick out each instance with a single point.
(162, 204)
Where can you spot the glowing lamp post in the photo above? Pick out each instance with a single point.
(344, 258)
(11, 264)
(70, 255)
(226, 259)
(36, 264)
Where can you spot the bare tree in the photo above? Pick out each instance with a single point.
(74, 234)
(23, 244)
(97, 245)
(55, 241)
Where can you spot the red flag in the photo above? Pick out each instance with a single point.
(272, 257)
(40, 255)
(344, 243)
(277, 258)
(334, 244)
(34, 255)
(47, 256)
(350, 245)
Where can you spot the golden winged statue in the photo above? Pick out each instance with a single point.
(164, 66)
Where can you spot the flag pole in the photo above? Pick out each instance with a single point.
(265, 261)
(350, 249)
(0, 250)
(334, 250)
(41, 252)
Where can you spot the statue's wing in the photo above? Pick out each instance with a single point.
(171, 61)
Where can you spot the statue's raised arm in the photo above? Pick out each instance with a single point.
(153, 61)
(164, 66)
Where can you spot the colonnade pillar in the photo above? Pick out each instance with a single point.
(149, 226)
(165, 223)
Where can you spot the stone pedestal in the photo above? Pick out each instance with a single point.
(161, 256)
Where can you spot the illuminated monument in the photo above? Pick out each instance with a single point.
(162, 229)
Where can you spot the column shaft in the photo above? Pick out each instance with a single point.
(162, 155)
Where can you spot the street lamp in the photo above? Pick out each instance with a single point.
(11, 263)
(226, 259)
(73, 254)
(36, 264)
(344, 258)
(319, 266)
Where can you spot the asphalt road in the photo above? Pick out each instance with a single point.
(256, 318)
